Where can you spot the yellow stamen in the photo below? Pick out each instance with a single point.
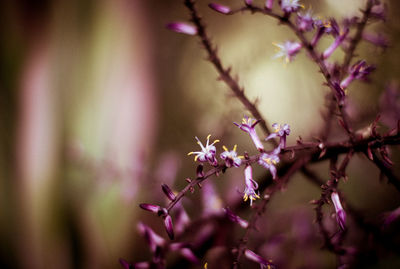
(267, 160)
(205, 266)
(195, 158)
(190, 153)
(208, 136)
(224, 148)
(276, 45)
(241, 157)
(234, 147)
(302, 6)
(327, 24)
(245, 197)
(216, 141)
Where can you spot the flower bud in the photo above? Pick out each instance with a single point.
(181, 27)
(169, 227)
(340, 213)
(168, 192)
(220, 8)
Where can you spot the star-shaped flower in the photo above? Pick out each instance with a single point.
(207, 152)
(287, 50)
(231, 158)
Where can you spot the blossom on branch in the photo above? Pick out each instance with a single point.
(230, 157)
(360, 70)
(305, 20)
(281, 131)
(289, 6)
(207, 152)
(251, 185)
(287, 50)
(269, 160)
(338, 41)
(248, 125)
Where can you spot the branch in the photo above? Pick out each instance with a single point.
(358, 35)
(224, 73)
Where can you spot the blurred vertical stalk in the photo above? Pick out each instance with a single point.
(79, 71)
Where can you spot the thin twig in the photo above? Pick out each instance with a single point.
(224, 73)
(358, 35)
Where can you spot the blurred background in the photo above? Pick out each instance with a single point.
(100, 104)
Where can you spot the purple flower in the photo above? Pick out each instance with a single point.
(154, 240)
(281, 131)
(182, 27)
(248, 126)
(339, 40)
(360, 70)
(379, 40)
(331, 27)
(269, 160)
(325, 27)
(185, 251)
(220, 8)
(251, 185)
(340, 213)
(269, 4)
(258, 259)
(235, 218)
(230, 157)
(207, 152)
(305, 21)
(287, 50)
(289, 6)
(379, 11)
